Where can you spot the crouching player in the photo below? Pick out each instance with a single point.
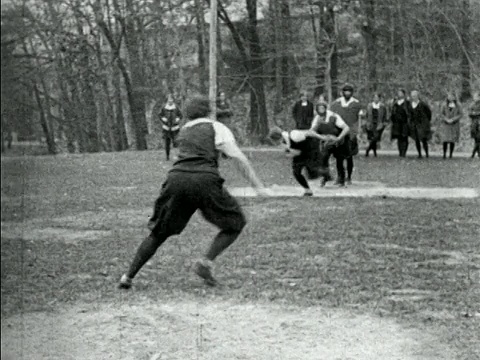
(305, 151)
(330, 128)
(194, 183)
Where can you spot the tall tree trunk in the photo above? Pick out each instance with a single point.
(275, 11)
(51, 146)
(258, 111)
(285, 32)
(133, 84)
(202, 63)
(120, 129)
(322, 46)
(329, 26)
(466, 91)
(369, 33)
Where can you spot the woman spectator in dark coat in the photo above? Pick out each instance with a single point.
(170, 117)
(474, 114)
(303, 112)
(449, 128)
(224, 111)
(400, 118)
(420, 127)
(375, 123)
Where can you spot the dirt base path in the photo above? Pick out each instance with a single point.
(364, 189)
(189, 330)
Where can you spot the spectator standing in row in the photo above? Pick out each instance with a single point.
(375, 123)
(420, 123)
(349, 109)
(474, 114)
(303, 112)
(170, 117)
(224, 111)
(400, 118)
(449, 128)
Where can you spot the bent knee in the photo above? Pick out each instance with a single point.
(237, 224)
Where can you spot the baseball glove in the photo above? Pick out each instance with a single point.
(330, 142)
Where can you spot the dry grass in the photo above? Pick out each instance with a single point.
(70, 226)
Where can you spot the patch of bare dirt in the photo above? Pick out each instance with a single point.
(213, 330)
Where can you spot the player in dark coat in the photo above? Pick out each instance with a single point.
(474, 113)
(224, 111)
(375, 123)
(350, 110)
(328, 123)
(305, 152)
(303, 112)
(420, 127)
(170, 117)
(400, 118)
(194, 183)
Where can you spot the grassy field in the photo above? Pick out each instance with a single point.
(70, 225)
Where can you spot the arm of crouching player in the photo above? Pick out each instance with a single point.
(341, 124)
(225, 142)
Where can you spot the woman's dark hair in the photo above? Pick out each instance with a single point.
(404, 92)
(197, 107)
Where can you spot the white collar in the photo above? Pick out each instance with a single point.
(401, 101)
(452, 105)
(415, 103)
(376, 105)
(345, 103)
(305, 103)
(170, 107)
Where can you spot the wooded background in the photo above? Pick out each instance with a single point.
(90, 76)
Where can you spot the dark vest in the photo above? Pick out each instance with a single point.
(328, 128)
(197, 152)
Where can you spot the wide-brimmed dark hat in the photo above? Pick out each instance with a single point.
(347, 87)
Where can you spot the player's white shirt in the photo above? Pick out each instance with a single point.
(224, 139)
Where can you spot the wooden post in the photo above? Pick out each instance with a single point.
(213, 59)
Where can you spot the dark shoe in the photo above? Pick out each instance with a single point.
(205, 272)
(125, 282)
(349, 182)
(308, 192)
(325, 179)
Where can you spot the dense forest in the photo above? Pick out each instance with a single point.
(89, 76)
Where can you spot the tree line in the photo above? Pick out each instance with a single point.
(91, 74)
